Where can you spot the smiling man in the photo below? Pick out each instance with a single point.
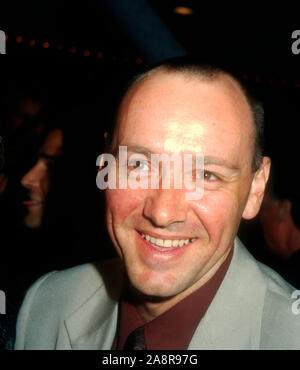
(182, 280)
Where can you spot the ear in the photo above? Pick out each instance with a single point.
(257, 189)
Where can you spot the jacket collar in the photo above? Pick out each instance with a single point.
(233, 320)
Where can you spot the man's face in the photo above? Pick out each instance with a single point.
(38, 179)
(170, 113)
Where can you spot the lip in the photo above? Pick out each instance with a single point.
(160, 236)
(31, 202)
(151, 254)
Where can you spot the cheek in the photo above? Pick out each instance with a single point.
(121, 203)
(46, 183)
(220, 214)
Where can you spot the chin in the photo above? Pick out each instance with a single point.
(158, 288)
(32, 221)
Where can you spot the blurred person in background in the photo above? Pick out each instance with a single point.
(27, 215)
(23, 126)
(37, 181)
(280, 221)
(56, 220)
(7, 320)
(274, 236)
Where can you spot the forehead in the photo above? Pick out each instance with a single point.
(175, 112)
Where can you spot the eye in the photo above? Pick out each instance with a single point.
(209, 176)
(138, 165)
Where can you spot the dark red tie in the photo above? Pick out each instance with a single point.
(135, 340)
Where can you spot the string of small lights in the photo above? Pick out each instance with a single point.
(272, 81)
(71, 49)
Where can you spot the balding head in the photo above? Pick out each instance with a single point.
(208, 73)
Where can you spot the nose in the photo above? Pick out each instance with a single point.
(165, 207)
(33, 178)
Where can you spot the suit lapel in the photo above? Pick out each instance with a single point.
(93, 324)
(233, 320)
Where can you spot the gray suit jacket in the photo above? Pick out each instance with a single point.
(78, 308)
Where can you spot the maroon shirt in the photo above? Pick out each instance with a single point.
(174, 329)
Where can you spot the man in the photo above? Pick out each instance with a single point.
(279, 214)
(37, 181)
(37, 254)
(279, 219)
(7, 322)
(183, 279)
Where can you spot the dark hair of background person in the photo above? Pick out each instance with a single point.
(208, 70)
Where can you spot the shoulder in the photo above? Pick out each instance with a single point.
(280, 323)
(281, 319)
(76, 284)
(274, 284)
(56, 295)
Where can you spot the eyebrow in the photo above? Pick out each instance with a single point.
(220, 162)
(140, 149)
(207, 160)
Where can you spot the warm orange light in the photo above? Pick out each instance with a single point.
(6, 37)
(86, 53)
(31, 42)
(99, 55)
(183, 10)
(73, 49)
(19, 38)
(46, 45)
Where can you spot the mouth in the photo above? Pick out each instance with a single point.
(31, 202)
(164, 244)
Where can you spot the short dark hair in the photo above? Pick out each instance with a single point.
(1, 154)
(209, 71)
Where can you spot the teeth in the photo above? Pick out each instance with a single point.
(159, 242)
(167, 243)
(175, 243)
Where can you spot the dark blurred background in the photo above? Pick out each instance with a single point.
(74, 58)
